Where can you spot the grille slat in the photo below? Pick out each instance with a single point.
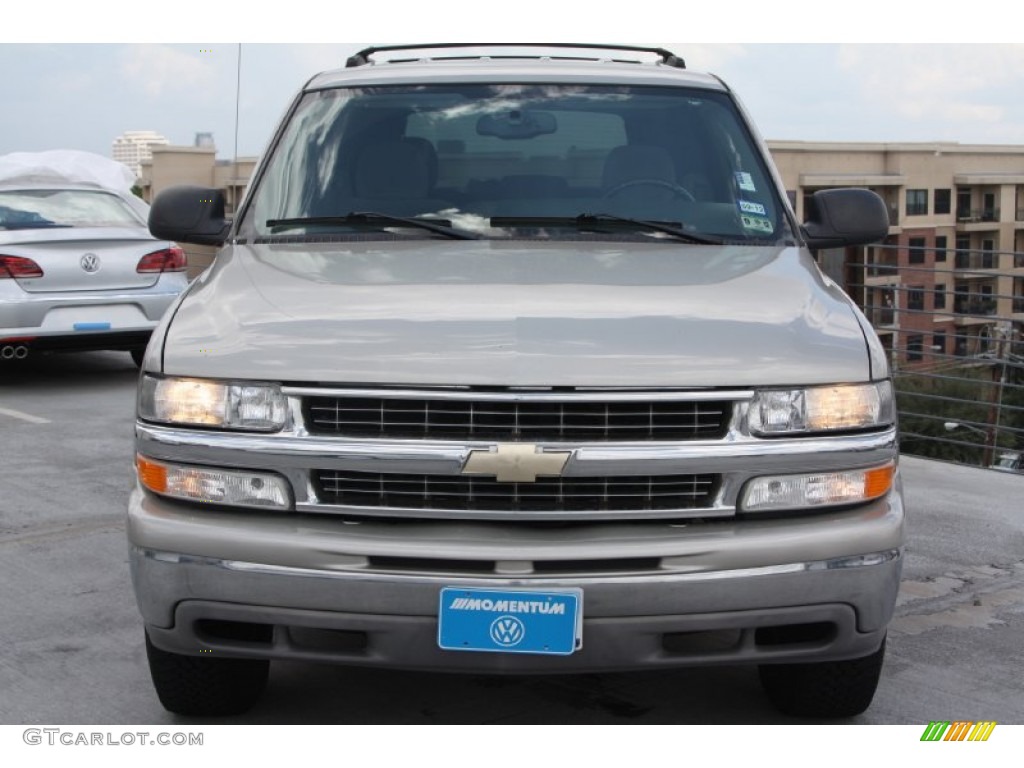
(467, 419)
(555, 494)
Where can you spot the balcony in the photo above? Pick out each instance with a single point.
(977, 215)
(972, 311)
(976, 260)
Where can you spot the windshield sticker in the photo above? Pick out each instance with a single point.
(745, 181)
(757, 224)
(748, 207)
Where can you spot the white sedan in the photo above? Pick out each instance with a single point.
(79, 270)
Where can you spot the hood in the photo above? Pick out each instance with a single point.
(519, 313)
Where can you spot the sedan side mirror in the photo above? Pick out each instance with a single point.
(841, 217)
(189, 214)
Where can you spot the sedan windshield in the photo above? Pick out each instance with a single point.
(519, 160)
(42, 208)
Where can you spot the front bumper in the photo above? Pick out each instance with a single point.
(288, 586)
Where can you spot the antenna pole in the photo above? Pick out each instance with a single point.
(238, 90)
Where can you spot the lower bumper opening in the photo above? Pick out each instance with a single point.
(253, 636)
(700, 643)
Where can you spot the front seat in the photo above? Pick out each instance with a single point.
(636, 162)
(394, 176)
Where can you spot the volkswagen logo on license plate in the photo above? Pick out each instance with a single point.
(507, 631)
(90, 262)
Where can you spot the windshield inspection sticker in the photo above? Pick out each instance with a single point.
(757, 224)
(748, 207)
(745, 181)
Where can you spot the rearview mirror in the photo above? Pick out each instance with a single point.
(517, 124)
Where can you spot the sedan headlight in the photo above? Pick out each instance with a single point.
(821, 409)
(204, 403)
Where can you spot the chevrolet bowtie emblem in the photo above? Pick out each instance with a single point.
(516, 463)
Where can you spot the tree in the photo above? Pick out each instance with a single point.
(927, 401)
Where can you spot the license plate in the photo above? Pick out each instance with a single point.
(505, 621)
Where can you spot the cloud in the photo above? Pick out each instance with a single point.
(159, 70)
(318, 58)
(955, 86)
(708, 58)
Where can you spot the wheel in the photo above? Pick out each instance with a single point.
(137, 355)
(679, 191)
(827, 689)
(206, 687)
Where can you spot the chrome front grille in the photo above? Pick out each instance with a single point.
(547, 494)
(515, 419)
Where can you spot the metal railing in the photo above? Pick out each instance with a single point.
(977, 214)
(955, 340)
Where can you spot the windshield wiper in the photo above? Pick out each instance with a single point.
(590, 220)
(35, 225)
(369, 218)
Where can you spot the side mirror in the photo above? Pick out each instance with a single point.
(188, 214)
(840, 217)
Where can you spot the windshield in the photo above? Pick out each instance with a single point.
(41, 208)
(522, 160)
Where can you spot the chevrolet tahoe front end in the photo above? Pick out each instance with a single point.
(515, 441)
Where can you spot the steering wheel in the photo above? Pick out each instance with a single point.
(678, 190)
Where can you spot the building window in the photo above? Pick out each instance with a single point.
(940, 247)
(963, 257)
(988, 259)
(943, 200)
(964, 211)
(917, 202)
(791, 196)
(963, 204)
(915, 297)
(940, 296)
(917, 246)
(915, 346)
(939, 343)
(989, 211)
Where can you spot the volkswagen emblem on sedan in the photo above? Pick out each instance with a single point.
(90, 262)
(507, 631)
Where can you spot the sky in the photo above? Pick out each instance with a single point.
(70, 82)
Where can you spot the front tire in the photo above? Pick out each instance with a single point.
(206, 687)
(828, 689)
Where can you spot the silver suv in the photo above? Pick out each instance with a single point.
(516, 361)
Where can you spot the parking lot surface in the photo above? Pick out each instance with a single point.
(71, 646)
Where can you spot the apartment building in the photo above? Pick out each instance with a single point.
(134, 147)
(949, 279)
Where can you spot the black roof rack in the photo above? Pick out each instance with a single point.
(664, 56)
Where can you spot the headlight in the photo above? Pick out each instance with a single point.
(819, 489)
(234, 487)
(821, 409)
(199, 402)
